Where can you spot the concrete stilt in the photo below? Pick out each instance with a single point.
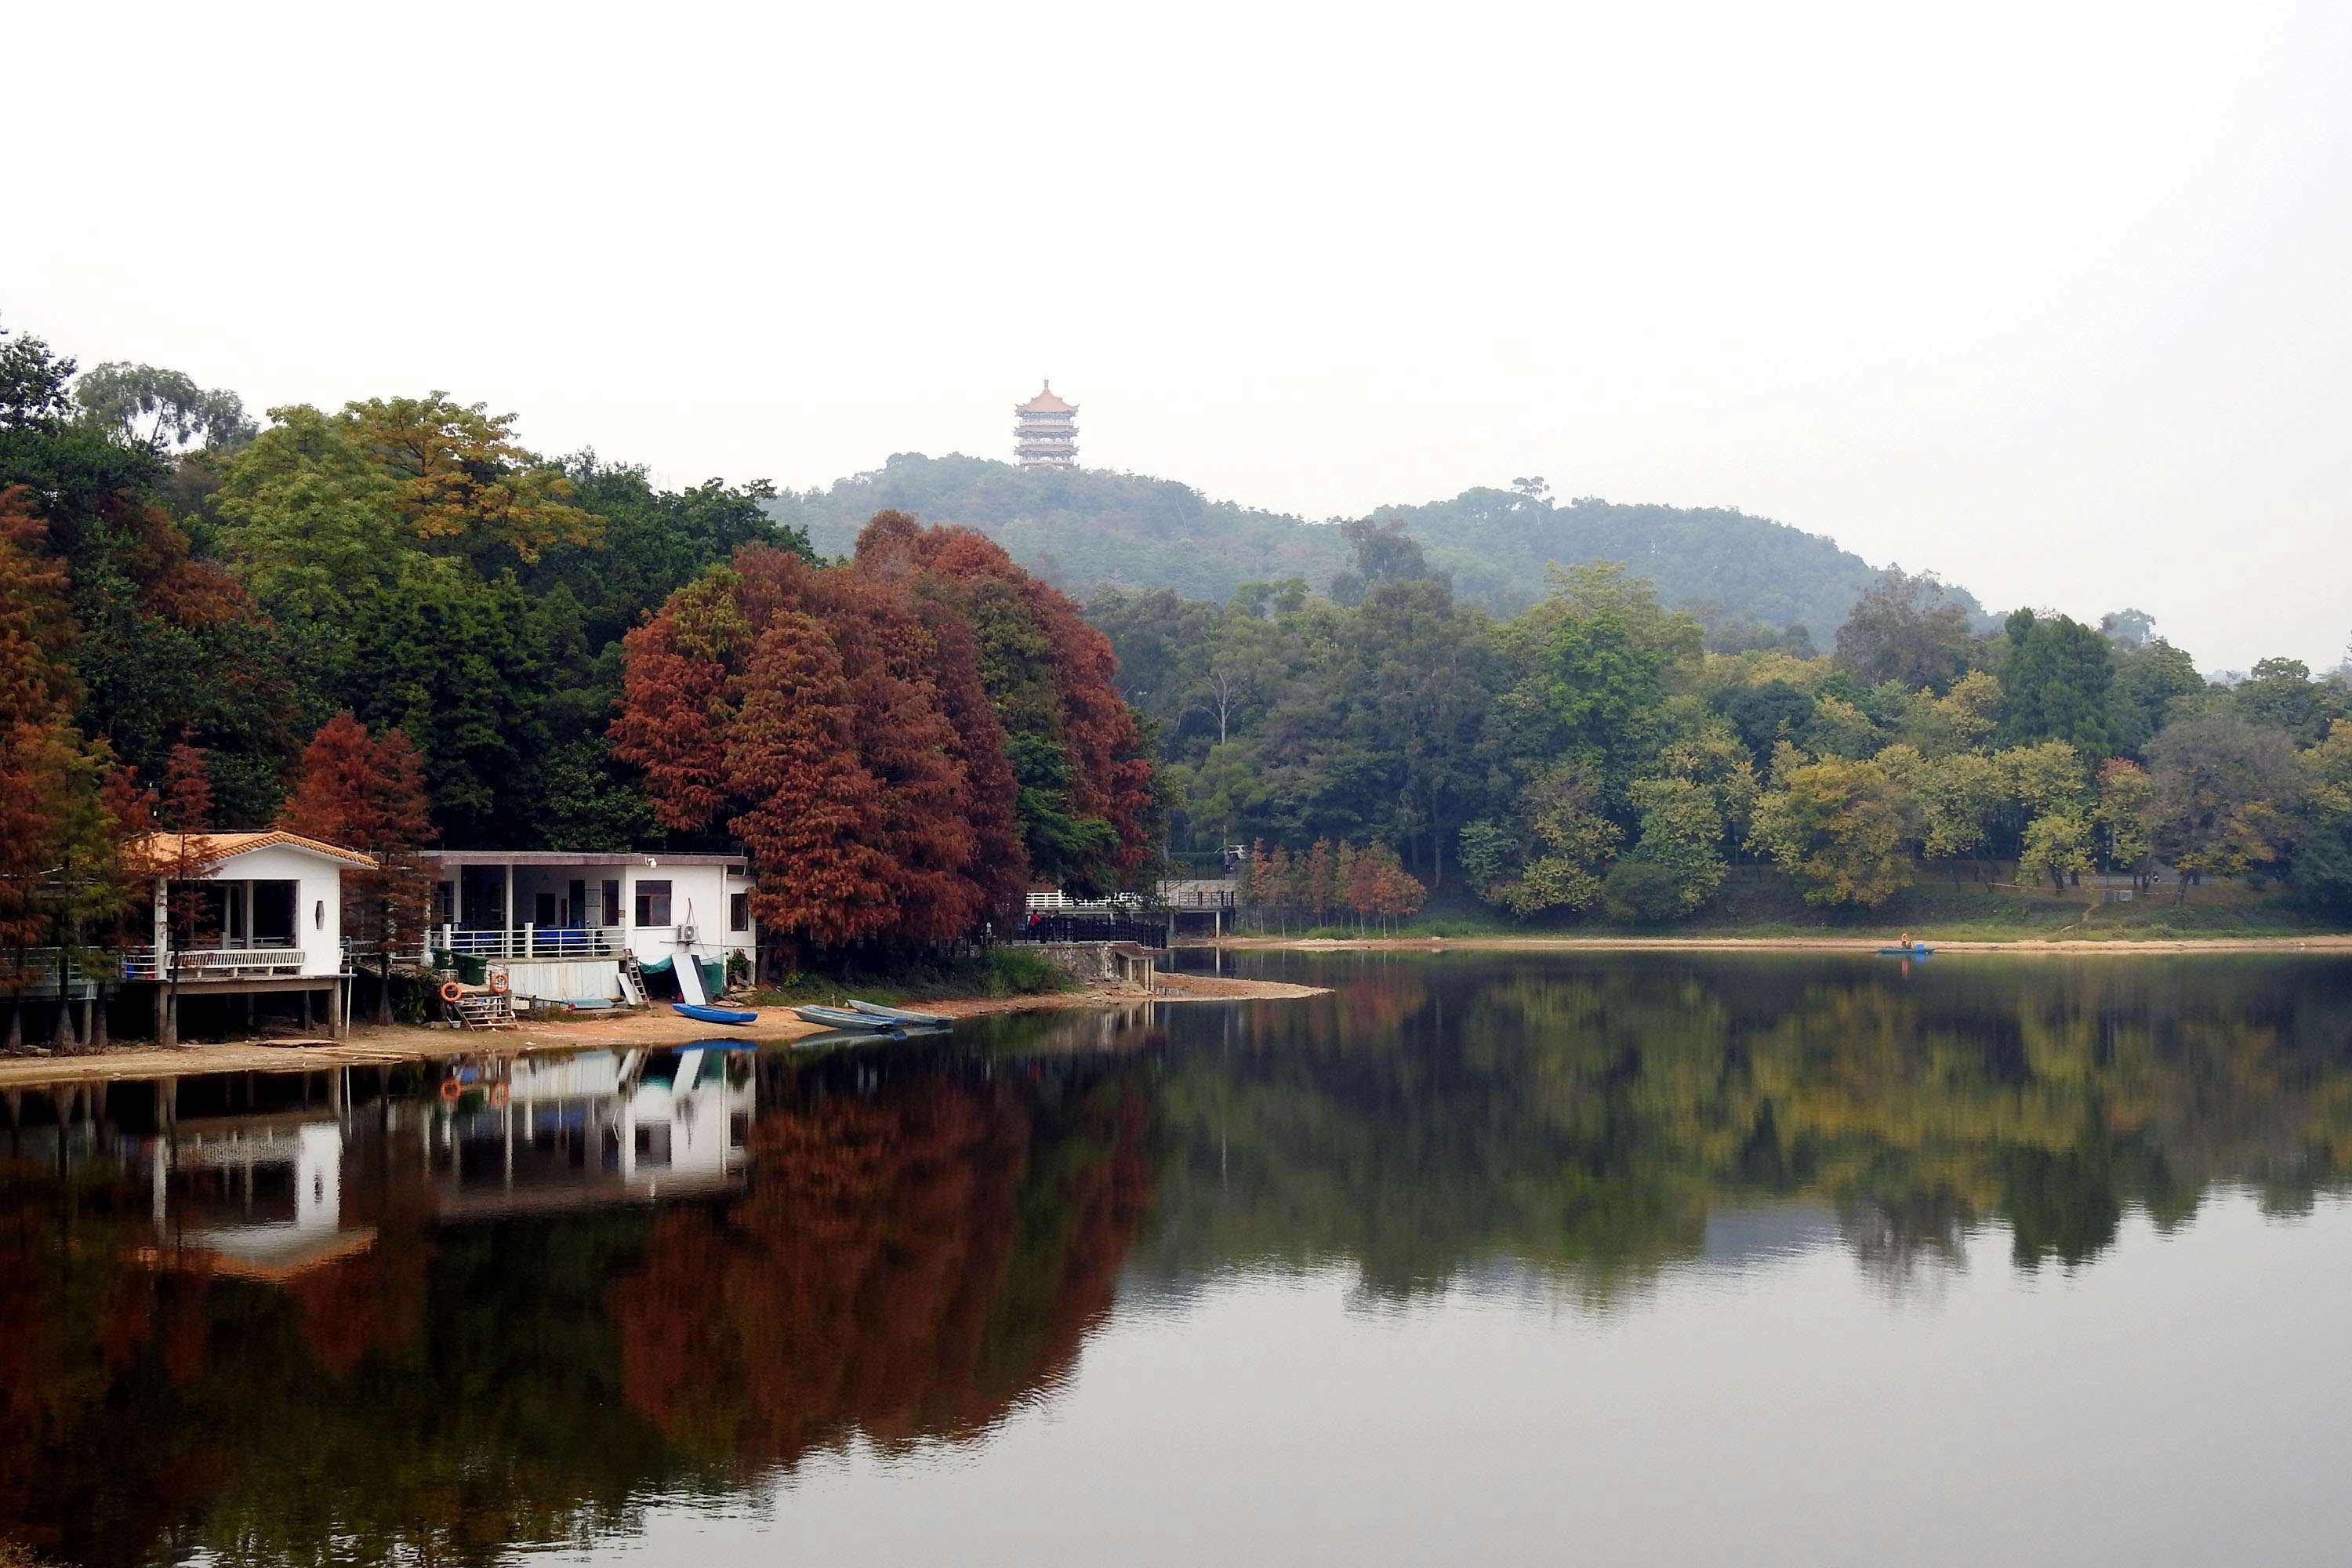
(335, 1011)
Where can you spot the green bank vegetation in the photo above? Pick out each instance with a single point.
(1597, 762)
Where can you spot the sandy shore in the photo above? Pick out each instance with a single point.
(1871, 944)
(370, 1046)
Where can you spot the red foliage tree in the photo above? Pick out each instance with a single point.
(367, 793)
(1110, 773)
(808, 821)
(35, 693)
(676, 702)
(1000, 860)
(906, 741)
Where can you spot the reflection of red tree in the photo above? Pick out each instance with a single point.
(372, 1302)
(80, 1315)
(905, 1269)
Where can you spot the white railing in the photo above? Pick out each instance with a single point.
(214, 962)
(532, 941)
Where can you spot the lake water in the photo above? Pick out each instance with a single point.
(1494, 1258)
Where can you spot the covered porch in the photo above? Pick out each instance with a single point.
(523, 907)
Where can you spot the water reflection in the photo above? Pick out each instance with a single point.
(370, 1316)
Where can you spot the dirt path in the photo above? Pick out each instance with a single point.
(1775, 944)
(370, 1046)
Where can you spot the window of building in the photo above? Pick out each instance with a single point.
(739, 911)
(653, 903)
(608, 912)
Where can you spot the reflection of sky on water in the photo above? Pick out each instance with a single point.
(1776, 1413)
(1498, 1260)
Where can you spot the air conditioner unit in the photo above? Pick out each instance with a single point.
(686, 936)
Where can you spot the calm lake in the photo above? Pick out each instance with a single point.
(1484, 1258)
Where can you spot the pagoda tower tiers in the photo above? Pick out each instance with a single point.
(1048, 436)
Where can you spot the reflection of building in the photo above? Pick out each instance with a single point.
(269, 1197)
(561, 920)
(1047, 433)
(597, 1128)
(260, 1198)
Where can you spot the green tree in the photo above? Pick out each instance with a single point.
(1837, 827)
(1599, 658)
(2056, 680)
(1907, 629)
(2123, 818)
(2057, 846)
(1960, 798)
(162, 408)
(2225, 794)
(1562, 848)
(1681, 835)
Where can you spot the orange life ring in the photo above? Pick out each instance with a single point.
(451, 991)
(498, 983)
(451, 1089)
(497, 1094)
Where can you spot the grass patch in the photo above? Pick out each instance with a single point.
(998, 971)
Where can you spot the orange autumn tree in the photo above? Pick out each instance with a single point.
(1085, 780)
(36, 691)
(863, 730)
(367, 793)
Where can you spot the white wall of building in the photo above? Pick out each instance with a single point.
(317, 898)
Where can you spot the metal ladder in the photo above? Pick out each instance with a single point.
(633, 980)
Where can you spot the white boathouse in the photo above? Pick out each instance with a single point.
(271, 922)
(561, 921)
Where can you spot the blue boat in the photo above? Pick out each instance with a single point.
(712, 1014)
(1915, 950)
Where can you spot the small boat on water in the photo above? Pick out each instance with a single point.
(843, 1018)
(901, 1015)
(706, 1015)
(1915, 950)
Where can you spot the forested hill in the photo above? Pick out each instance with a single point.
(1088, 529)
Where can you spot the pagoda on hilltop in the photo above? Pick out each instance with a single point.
(1048, 436)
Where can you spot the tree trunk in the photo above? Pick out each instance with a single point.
(383, 990)
(16, 1041)
(98, 1039)
(61, 1038)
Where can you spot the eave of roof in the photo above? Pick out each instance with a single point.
(226, 845)
(578, 858)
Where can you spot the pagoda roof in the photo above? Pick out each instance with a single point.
(1046, 403)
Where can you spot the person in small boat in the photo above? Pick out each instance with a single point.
(1906, 942)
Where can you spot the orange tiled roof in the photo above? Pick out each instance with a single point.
(159, 848)
(1046, 403)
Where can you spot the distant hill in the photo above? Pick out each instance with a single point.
(1088, 529)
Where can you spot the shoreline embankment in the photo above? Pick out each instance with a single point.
(2317, 944)
(398, 1045)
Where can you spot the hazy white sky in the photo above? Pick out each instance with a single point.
(2048, 297)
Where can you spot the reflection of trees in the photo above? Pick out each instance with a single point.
(1584, 1117)
(911, 1260)
(907, 1267)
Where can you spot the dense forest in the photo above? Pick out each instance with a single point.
(1087, 530)
(392, 625)
(1600, 754)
